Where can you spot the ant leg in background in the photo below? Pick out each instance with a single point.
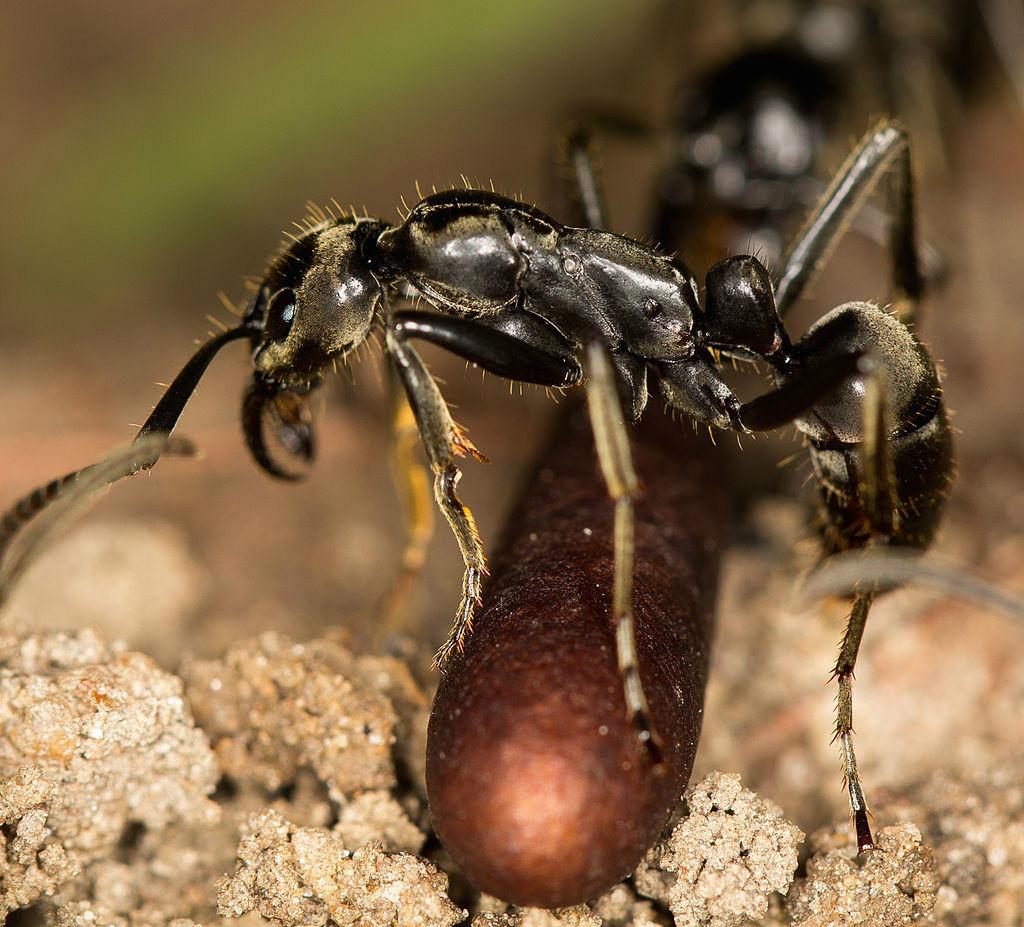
(575, 175)
(882, 146)
(873, 223)
(498, 352)
(413, 489)
(586, 186)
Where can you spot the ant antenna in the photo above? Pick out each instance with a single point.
(152, 440)
(74, 497)
(846, 572)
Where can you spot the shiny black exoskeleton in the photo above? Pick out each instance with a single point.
(530, 299)
(743, 146)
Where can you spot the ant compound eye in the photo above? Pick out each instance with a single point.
(280, 314)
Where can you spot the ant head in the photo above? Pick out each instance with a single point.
(739, 311)
(316, 303)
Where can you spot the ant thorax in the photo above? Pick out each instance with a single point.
(480, 254)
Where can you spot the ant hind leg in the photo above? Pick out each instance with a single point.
(877, 498)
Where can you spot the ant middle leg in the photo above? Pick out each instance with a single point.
(413, 488)
(612, 443)
(884, 145)
(538, 359)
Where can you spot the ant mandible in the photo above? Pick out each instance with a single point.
(531, 300)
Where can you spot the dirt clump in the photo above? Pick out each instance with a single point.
(302, 875)
(722, 861)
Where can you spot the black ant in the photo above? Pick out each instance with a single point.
(529, 299)
(744, 137)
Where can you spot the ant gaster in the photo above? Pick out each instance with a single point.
(529, 299)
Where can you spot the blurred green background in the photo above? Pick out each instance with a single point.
(153, 151)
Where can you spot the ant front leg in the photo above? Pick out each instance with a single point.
(513, 354)
(612, 442)
(806, 383)
(444, 441)
(886, 144)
